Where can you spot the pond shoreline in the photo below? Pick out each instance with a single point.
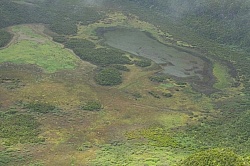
(203, 85)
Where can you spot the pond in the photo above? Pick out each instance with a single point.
(174, 61)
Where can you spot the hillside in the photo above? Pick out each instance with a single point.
(112, 82)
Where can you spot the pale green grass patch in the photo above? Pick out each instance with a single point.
(222, 76)
(41, 52)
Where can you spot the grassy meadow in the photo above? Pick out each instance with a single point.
(29, 47)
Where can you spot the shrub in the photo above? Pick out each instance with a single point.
(40, 107)
(92, 106)
(5, 38)
(154, 94)
(143, 63)
(59, 39)
(108, 77)
(120, 67)
(79, 43)
(212, 157)
(102, 56)
(19, 128)
(167, 94)
(158, 78)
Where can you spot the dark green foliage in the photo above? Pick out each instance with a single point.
(19, 128)
(167, 95)
(5, 38)
(75, 43)
(92, 106)
(108, 77)
(102, 56)
(223, 21)
(231, 130)
(120, 67)
(57, 14)
(157, 78)
(59, 39)
(214, 157)
(143, 63)
(181, 83)
(4, 158)
(10, 157)
(40, 108)
(154, 94)
(64, 28)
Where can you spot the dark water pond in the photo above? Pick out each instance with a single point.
(174, 61)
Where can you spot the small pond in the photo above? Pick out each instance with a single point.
(174, 61)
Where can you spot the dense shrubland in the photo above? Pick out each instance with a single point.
(19, 128)
(108, 77)
(212, 157)
(49, 12)
(5, 38)
(143, 62)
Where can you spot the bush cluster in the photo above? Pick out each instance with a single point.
(5, 38)
(19, 128)
(40, 107)
(212, 157)
(108, 77)
(92, 106)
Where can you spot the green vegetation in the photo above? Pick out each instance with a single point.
(40, 107)
(19, 128)
(108, 77)
(155, 136)
(5, 38)
(10, 157)
(92, 106)
(48, 12)
(86, 50)
(167, 94)
(223, 78)
(38, 50)
(231, 130)
(212, 157)
(75, 43)
(59, 38)
(137, 95)
(142, 63)
(85, 146)
(219, 120)
(154, 94)
(158, 79)
(102, 56)
(120, 67)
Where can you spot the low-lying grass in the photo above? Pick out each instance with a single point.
(32, 48)
(223, 78)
